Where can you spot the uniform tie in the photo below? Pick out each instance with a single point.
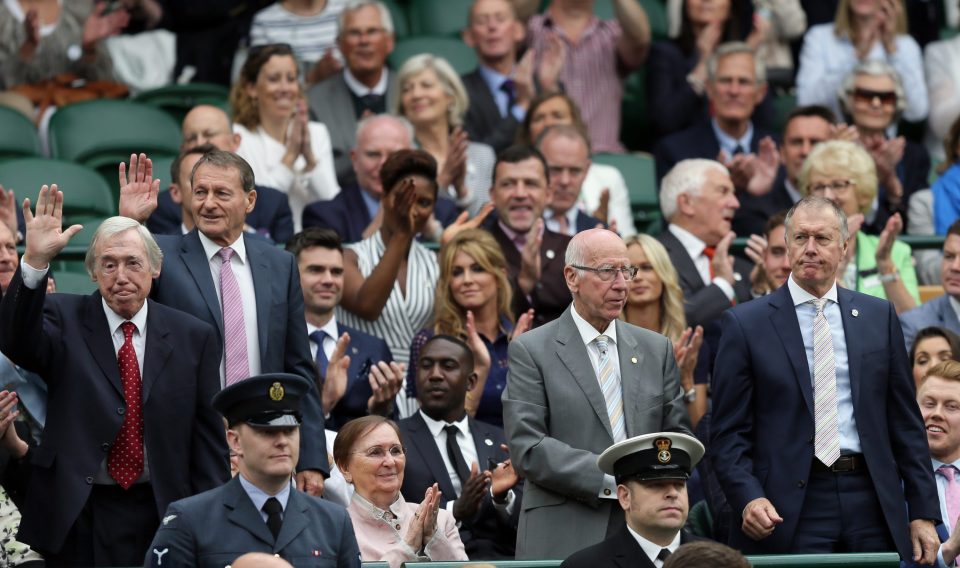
(274, 512)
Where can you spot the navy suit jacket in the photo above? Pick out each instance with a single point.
(483, 121)
(620, 550)
(185, 283)
(214, 528)
(66, 340)
(487, 535)
(936, 312)
(754, 212)
(365, 350)
(697, 141)
(763, 415)
(271, 216)
(347, 214)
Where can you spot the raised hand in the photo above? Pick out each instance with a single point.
(454, 170)
(524, 323)
(722, 260)
(139, 191)
(430, 514)
(467, 505)
(306, 146)
(481, 360)
(402, 214)
(844, 131)
(463, 222)
(602, 212)
(765, 167)
(45, 234)
(888, 236)
(326, 66)
(99, 26)
(386, 380)
(31, 39)
(530, 265)
(709, 39)
(687, 351)
(523, 80)
(335, 377)
(552, 57)
(9, 439)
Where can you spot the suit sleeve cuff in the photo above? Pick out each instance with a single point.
(724, 286)
(32, 276)
(609, 488)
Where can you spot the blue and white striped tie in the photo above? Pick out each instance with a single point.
(610, 386)
(827, 441)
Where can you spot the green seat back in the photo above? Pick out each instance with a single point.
(73, 282)
(655, 9)
(401, 21)
(461, 57)
(439, 17)
(86, 194)
(18, 136)
(177, 100)
(639, 172)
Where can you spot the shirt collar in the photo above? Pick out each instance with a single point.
(512, 235)
(587, 332)
(436, 426)
(801, 296)
(360, 89)
(792, 191)
(652, 549)
(729, 143)
(212, 249)
(691, 243)
(114, 320)
(330, 327)
(571, 215)
(259, 496)
(494, 79)
(374, 512)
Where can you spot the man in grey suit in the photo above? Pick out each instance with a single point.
(942, 311)
(576, 386)
(364, 86)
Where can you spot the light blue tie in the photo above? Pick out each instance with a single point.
(610, 386)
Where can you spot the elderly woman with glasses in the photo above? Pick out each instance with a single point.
(880, 265)
(371, 457)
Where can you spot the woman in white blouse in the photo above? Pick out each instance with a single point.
(285, 149)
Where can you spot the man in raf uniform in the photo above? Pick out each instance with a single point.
(260, 510)
(651, 473)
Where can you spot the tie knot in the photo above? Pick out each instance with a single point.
(603, 343)
(507, 86)
(226, 253)
(318, 336)
(664, 553)
(451, 429)
(820, 304)
(947, 471)
(272, 506)
(128, 328)
(709, 252)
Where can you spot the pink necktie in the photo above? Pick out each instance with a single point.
(236, 365)
(952, 495)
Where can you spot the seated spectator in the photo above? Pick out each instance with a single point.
(44, 38)
(500, 89)
(941, 61)
(769, 254)
(465, 458)
(931, 346)
(873, 98)
(776, 25)
(370, 453)
(286, 150)
(365, 39)
(567, 151)
(599, 54)
(946, 190)
(473, 303)
(553, 109)
(940, 311)
(881, 265)
(433, 99)
(655, 302)
(309, 26)
(704, 553)
(861, 30)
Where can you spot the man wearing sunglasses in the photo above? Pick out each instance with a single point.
(576, 386)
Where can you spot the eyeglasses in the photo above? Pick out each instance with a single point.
(837, 186)
(379, 452)
(608, 273)
(867, 96)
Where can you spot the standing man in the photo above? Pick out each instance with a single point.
(245, 287)
(130, 381)
(259, 510)
(372, 380)
(941, 311)
(618, 380)
(814, 401)
(465, 458)
(651, 472)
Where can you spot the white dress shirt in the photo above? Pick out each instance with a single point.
(652, 549)
(695, 247)
(359, 89)
(329, 342)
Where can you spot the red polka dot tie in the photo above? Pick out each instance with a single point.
(125, 462)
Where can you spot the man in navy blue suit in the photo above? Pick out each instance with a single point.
(372, 380)
(818, 439)
(567, 151)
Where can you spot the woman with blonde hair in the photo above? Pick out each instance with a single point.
(473, 302)
(881, 265)
(655, 302)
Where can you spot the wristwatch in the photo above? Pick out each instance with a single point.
(690, 395)
(892, 277)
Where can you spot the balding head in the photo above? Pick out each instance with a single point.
(596, 299)
(207, 124)
(377, 138)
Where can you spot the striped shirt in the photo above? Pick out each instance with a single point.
(309, 36)
(592, 75)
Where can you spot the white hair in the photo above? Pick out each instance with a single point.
(386, 20)
(369, 121)
(689, 177)
(114, 226)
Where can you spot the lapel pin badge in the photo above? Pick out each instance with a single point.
(855, 313)
(488, 441)
(354, 350)
(633, 360)
(550, 254)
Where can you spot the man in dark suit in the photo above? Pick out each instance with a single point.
(939, 311)
(130, 381)
(651, 473)
(472, 470)
(567, 151)
(365, 39)
(354, 213)
(520, 193)
(217, 266)
(698, 200)
(372, 379)
(259, 510)
(786, 457)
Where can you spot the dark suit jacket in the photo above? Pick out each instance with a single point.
(703, 304)
(332, 104)
(347, 214)
(214, 528)
(620, 549)
(763, 415)
(487, 535)
(185, 283)
(365, 350)
(936, 312)
(483, 121)
(697, 141)
(66, 340)
(551, 295)
(754, 212)
(271, 216)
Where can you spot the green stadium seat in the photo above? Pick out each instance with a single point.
(86, 194)
(177, 100)
(73, 282)
(439, 17)
(640, 174)
(401, 22)
(636, 131)
(461, 57)
(19, 135)
(783, 104)
(161, 170)
(71, 259)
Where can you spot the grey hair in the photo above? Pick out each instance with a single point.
(576, 253)
(386, 19)
(732, 48)
(873, 68)
(114, 226)
(369, 120)
(449, 80)
(229, 161)
(689, 177)
(817, 203)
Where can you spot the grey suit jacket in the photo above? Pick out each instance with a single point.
(557, 425)
(330, 103)
(937, 311)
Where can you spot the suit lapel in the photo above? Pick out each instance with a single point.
(948, 317)
(263, 279)
(157, 349)
(485, 442)
(686, 269)
(422, 439)
(784, 320)
(481, 96)
(99, 342)
(345, 119)
(295, 519)
(851, 328)
(356, 361)
(241, 512)
(196, 261)
(627, 553)
(573, 354)
(631, 359)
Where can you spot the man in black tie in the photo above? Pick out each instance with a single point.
(466, 458)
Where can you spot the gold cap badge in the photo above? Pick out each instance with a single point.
(276, 392)
(663, 447)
